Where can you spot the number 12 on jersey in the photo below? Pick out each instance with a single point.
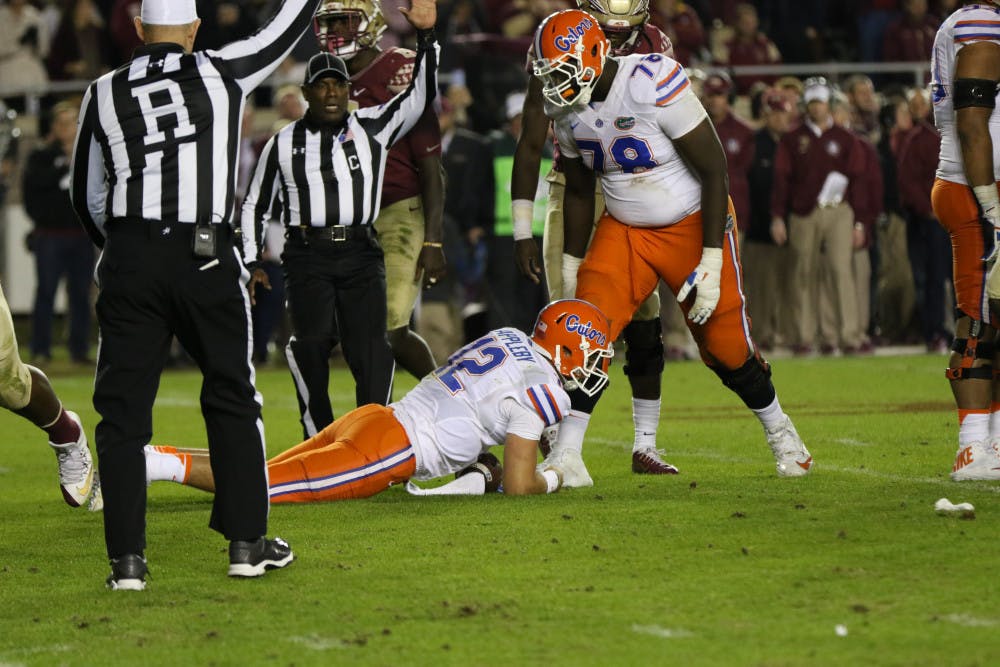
(476, 358)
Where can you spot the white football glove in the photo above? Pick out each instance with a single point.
(707, 278)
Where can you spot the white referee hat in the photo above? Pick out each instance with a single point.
(168, 12)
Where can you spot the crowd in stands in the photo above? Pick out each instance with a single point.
(483, 64)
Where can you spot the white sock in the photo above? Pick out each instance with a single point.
(572, 430)
(471, 484)
(772, 416)
(646, 417)
(975, 427)
(162, 467)
(995, 420)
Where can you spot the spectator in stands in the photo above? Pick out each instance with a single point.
(121, 25)
(737, 140)
(927, 241)
(24, 41)
(870, 197)
(864, 103)
(223, 22)
(749, 46)
(61, 246)
(791, 88)
(815, 168)
(873, 19)
(767, 280)
(81, 48)
(519, 18)
(910, 37)
(681, 24)
(895, 278)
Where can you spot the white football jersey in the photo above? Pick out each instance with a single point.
(626, 140)
(969, 24)
(463, 408)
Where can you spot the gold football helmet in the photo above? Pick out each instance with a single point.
(621, 20)
(345, 27)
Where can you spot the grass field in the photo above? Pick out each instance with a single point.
(725, 564)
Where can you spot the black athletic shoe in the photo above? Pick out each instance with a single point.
(252, 559)
(128, 573)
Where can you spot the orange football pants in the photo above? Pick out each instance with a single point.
(361, 454)
(624, 265)
(956, 207)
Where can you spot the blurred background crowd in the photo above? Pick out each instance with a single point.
(756, 66)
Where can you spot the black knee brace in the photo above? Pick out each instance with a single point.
(972, 348)
(643, 348)
(751, 382)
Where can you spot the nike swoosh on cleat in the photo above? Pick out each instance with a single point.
(806, 465)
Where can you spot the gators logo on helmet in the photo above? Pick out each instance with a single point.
(570, 50)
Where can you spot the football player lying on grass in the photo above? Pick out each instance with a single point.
(504, 388)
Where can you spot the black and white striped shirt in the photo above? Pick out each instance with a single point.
(324, 176)
(159, 137)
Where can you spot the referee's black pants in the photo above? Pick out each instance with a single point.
(336, 290)
(150, 289)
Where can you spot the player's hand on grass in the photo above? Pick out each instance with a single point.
(706, 281)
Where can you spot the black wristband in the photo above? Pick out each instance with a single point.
(426, 38)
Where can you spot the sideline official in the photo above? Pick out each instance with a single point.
(327, 169)
(153, 183)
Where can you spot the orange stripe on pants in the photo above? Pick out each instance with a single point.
(625, 263)
(361, 454)
(955, 206)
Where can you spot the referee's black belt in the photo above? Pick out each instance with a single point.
(160, 230)
(334, 233)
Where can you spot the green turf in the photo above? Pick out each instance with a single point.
(723, 565)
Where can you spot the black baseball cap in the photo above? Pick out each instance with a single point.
(325, 64)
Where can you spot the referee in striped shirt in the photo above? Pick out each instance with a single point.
(153, 182)
(326, 170)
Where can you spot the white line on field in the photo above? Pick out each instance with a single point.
(33, 650)
(317, 643)
(819, 469)
(657, 631)
(971, 621)
(851, 442)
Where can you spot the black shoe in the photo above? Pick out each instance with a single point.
(252, 559)
(128, 573)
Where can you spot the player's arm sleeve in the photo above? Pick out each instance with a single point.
(251, 60)
(548, 403)
(388, 122)
(563, 132)
(88, 179)
(258, 201)
(522, 421)
(678, 115)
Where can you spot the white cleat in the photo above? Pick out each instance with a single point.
(790, 453)
(77, 475)
(977, 461)
(571, 464)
